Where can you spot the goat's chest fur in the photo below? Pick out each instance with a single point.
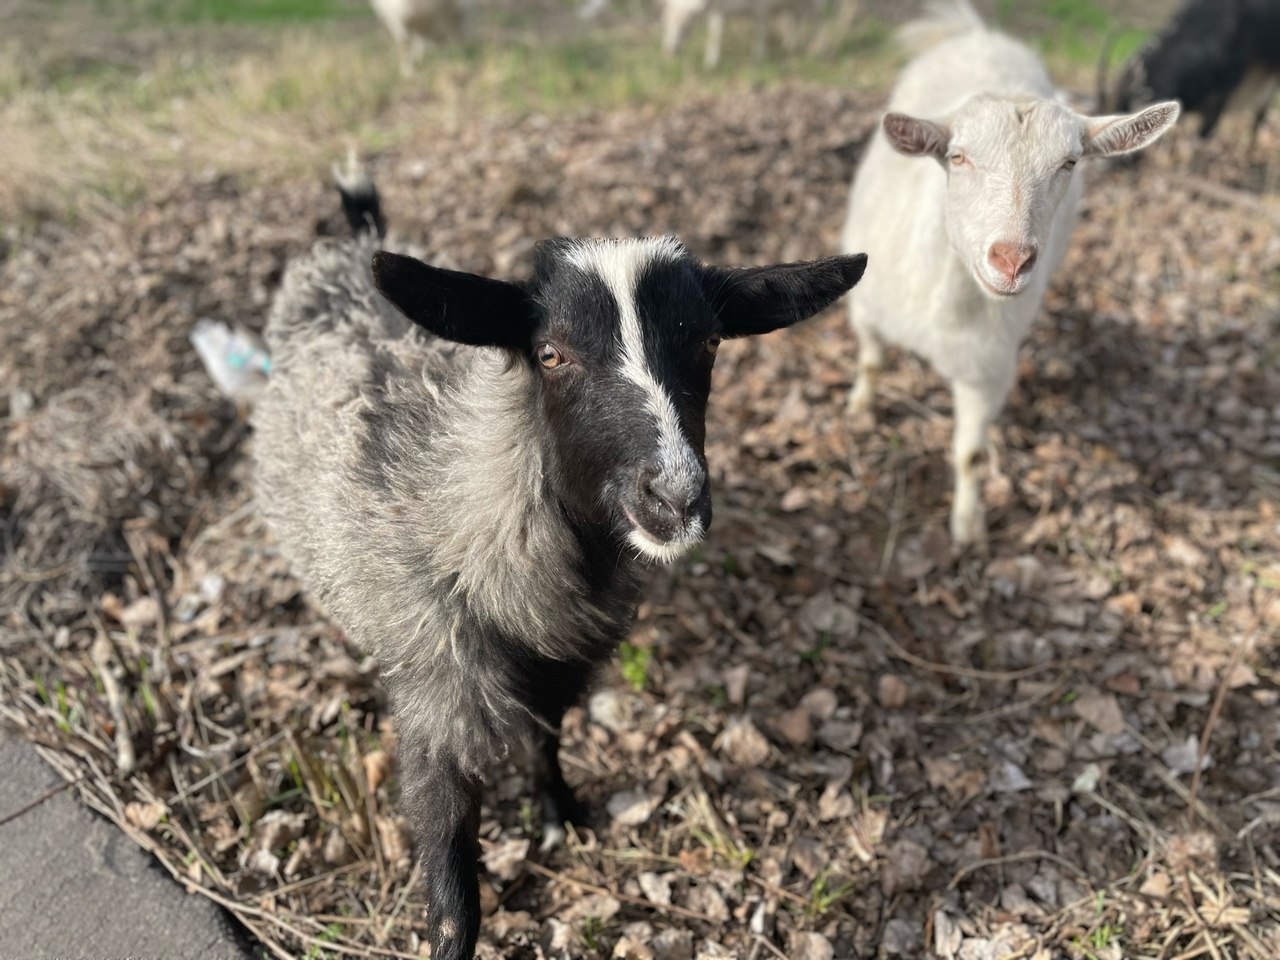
(413, 502)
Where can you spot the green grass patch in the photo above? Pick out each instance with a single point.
(250, 12)
(634, 661)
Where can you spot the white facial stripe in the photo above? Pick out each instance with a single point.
(619, 264)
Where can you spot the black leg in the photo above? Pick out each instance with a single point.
(559, 805)
(443, 803)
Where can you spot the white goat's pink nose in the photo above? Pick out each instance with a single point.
(1012, 259)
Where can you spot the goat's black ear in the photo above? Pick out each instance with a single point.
(457, 306)
(759, 299)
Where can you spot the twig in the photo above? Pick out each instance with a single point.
(621, 897)
(764, 941)
(999, 676)
(101, 652)
(1014, 858)
(1218, 699)
(47, 795)
(1195, 912)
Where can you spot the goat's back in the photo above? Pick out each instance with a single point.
(962, 59)
(334, 341)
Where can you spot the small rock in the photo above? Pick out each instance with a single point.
(336, 852)
(906, 864)
(811, 946)
(672, 944)
(834, 804)
(504, 860)
(824, 614)
(262, 862)
(840, 734)
(891, 692)
(901, 938)
(612, 709)
(557, 938)
(794, 726)
(820, 702)
(947, 936)
(656, 887)
(735, 684)
(1009, 778)
(706, 899)
(1182, 757)
(630, 808)
(742, 743)
(1100, 710)
(809, 856)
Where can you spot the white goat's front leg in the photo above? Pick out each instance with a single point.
(715, 39)
(976, 407)
(675, 17)
(870, 362)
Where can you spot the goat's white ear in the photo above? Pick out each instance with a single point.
(1125, 133)
(916, 137)
(759, 299)
(457, 306)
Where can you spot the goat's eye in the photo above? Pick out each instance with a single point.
(713, 344)
(958, 159)
(1069, 164)
(549, 356)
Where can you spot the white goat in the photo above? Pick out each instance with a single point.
(415, 23)
(677, 15)
(964, 247)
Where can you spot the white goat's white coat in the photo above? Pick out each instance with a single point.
(939, 234)
(415, 23)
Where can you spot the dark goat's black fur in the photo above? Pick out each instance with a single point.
(1202, 57)
(466, 472)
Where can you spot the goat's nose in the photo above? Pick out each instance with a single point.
(669, 496)
(1012, 259)
(678, 498)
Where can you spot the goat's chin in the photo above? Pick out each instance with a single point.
(650, 547)
(996, 291)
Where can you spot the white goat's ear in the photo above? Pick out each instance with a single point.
(457, 306)
(916, 137)
(1125, 133)
(759, 299)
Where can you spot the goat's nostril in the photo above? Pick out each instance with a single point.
(1012, 259)
(666, 496)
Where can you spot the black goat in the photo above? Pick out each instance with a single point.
(1213, 55)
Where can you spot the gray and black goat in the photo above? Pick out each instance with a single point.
(468, 474)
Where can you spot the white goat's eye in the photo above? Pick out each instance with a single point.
(549, 356)
(713, 344)
(1069, 163)
(958, 159)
